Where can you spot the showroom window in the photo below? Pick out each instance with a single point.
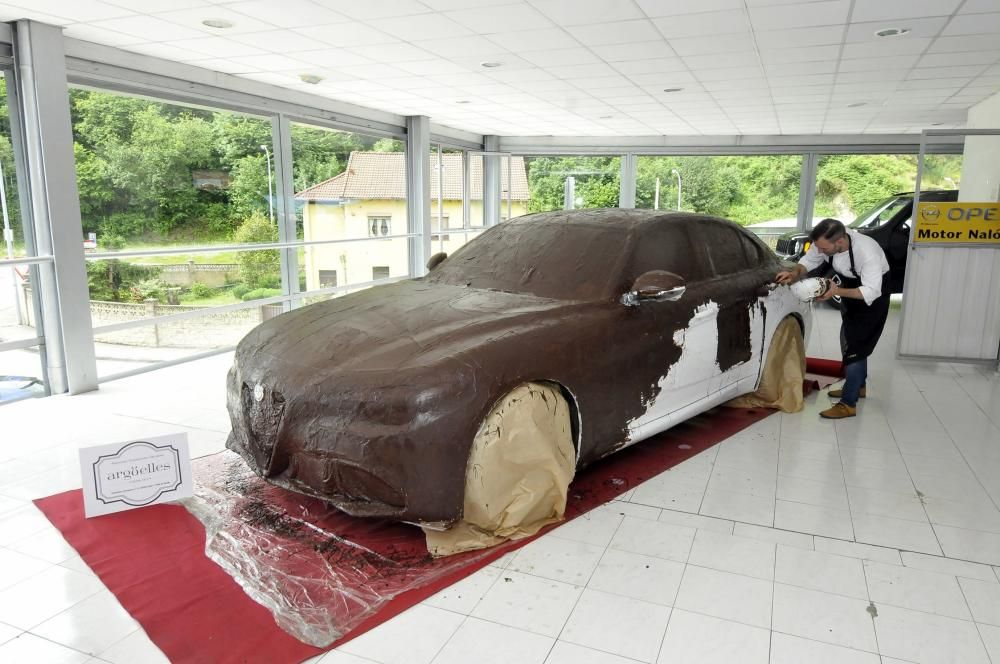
(564, 182)
(380, 272)
(327, 278)
(22, 354)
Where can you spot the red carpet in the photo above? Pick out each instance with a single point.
(153, 559)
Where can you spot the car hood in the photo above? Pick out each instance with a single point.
(395, 327)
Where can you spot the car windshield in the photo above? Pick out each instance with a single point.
(561, 261)
(881, 213)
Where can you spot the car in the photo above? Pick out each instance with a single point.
(640, 318)
(888, 222)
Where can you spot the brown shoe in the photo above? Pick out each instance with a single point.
(839, 411)
(836, 394)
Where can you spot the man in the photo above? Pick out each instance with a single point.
(863, 287)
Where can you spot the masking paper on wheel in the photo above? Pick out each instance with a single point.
(520, 467)
(781, 381)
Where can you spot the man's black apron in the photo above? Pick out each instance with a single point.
(862, 323)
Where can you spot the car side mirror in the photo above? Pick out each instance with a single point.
(655, 286)
(435, 260)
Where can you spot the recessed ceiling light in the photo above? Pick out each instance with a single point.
(220, 23)
(605, 117)
(936, 124)
(311, 79)
(857, 104)
(672, 89)
(892, 32)
(463, 101)
(490, 65)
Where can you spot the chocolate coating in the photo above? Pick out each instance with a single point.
(372, 400)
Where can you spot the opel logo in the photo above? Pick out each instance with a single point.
(930, 214)
(258, 392)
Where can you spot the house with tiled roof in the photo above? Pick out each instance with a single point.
(367, 202)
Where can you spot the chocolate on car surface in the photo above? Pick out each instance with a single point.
(372, 400)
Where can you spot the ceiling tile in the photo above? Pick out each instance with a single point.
(650, 66)
(955, 59)
(287, 13)
(885, 48)
(792, 68)
(218, 47)
(332, 57)
(280, 41)
(864, 76)
(654, 8)
(456, 46)
(829, 12)
(272, 62)
(431, 67)
(894, 10)
(978, 7)
(966, 71)
(801, 54)
(506, 18)
(617, 32)
(708, 23)
(565, 56)
(165, 51)
(161, 5)
(720, 60)
(635, 51)
(97, 35)
(192, 18)
(533, 40)
(582, 12)
(372, 72)
(398, 52)
(661, 80)
(150, 28)
(973, 24)
(878, 64)
(347, 34)
(729, 73)
(799, 37)
(919, 27)
(544, 86)
(421, 26)
(582, 71)
(733, 43)
(79, 10)
(221, 65)
(376, 9)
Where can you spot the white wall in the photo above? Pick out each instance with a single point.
(981, 162)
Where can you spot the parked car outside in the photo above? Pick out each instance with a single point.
(640, 318)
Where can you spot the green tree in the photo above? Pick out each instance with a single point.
(260, 267)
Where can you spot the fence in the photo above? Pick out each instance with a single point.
(186, 274)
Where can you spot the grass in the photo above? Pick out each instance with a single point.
(219, 298)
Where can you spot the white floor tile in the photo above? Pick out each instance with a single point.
(738, 507)
(618, 625)
(17, 567)
(8, 632)
(558, 559)
(571, 653)
(788, 538)
(528, 602)
(895, 533)
(984, 600)
(927, 638)
(725, 595)
(669, 495)
(484, 642)
(803, 449)
(855, 550)
(692, 637)
(971, 516)
(752, 481)
(916, 589)
(811, 614)
(813, 520)
(886, 503)
(21, 523)
(815, 570)
(337, 657)
(991, 637)
(974, 545)
(48, 545)
(894, 480)
(740, 555)
(659, 539)
(941, 565)
(91, 626)
(622, 508)
(413, 637)
(788, 649)
(645, 578)
(30, 648)
(811, 492)
(594, 527)
(819, 470)
(43, 596)
(697, 521)
(862, 457)
(136, 647)
(463, 596)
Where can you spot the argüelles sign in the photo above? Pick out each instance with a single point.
(135, 473)
(966, 223)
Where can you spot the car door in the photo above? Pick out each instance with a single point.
(674, 341)
(735, 286)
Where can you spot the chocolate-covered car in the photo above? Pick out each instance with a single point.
(641, 318)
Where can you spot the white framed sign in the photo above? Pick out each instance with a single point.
(135, 473)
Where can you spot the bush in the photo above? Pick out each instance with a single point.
(113, 280)
(271, 281)
(240, 290)
(146, 289)
(201, 290)
(111, 242)
(257, 267)
(260, 294)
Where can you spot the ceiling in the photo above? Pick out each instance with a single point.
(585, 67)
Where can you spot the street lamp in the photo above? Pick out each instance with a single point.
(270, 194)
(674, 171)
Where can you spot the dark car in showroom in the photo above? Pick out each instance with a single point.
(888, 222)
(638, 318)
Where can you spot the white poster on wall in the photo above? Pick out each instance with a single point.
(135, 473)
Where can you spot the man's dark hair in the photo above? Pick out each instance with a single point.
(828, 229)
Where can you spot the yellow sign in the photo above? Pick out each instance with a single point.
(975, 223)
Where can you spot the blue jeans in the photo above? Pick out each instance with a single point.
(856, 373)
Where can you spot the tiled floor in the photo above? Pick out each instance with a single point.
(875, 539)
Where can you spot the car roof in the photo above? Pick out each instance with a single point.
(626, 219)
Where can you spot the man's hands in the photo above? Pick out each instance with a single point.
(789, 276)
(833, 291)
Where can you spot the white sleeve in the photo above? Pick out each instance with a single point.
(871, 276)
(812, 259)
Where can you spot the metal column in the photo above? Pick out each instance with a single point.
(807, 190)
(626, 185)
(55, 206)
(491, 181)
(418, 191)
(281, 138)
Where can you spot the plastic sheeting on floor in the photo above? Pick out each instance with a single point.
(154, 559)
